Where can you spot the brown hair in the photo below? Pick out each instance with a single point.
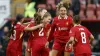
(66, 4)
(37, 18)
(46, 15)
(19, 17)
(63, 4)
(77, 19)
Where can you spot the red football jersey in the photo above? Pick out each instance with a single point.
(41, 32)
(60, 29)
(16, 40)
(31, 35)
(81, 34)
(37, 33)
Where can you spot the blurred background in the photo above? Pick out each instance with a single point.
(89, 11)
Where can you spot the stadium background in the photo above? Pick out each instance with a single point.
(89, 11)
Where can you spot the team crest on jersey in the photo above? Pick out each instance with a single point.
(66, 23)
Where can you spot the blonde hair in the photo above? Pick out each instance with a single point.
(38, 19)
(63, 3)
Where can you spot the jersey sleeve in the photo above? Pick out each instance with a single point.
(72, 32)
(52, 30)
(22, 27)
(29, 32)
(89, 33)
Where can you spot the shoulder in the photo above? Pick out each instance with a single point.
(70, 18)
(83, 27)
(86, 29)
(73, 28)
(30, 25)
(55, 18)
(18, 25)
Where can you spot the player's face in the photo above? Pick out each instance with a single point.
(62, 11)
(47, 20)
(43, 12)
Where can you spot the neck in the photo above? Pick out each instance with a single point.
(62, 17)
(19, 22)
(76, 24)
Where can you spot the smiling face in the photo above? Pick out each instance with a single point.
(62, 12)
(47, 19)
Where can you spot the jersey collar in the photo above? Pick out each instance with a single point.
(64, 17)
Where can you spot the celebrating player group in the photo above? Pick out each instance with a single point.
(66, 31)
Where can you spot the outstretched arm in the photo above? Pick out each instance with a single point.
(34, 27)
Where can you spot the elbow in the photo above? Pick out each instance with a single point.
(91, 38)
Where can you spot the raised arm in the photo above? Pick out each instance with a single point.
(34, 27)
(26, 23)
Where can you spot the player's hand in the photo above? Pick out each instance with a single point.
(47, 45)
(67, 45)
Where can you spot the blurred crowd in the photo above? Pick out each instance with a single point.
(87, 9)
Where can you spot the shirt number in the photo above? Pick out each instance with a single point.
(83, 35)
(41, 33)
(14, 35)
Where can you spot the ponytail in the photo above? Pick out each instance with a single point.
(37, 18)
(18, 19)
